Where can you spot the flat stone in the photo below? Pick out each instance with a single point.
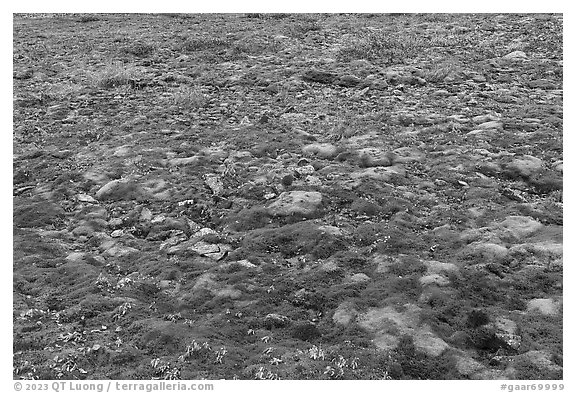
(75, 256)
(372, 157)
(520, 226)
(213, 251)
(434, 279)
(305, 203)
(119, 251)
(182, 161)
(322, 150)
(516, 55)
(491, 125)
(117, 190)
(544, 306)
(85, 198)
(378, 173)
(525, 166)
(484, 118)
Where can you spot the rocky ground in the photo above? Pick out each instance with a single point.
(266, 196)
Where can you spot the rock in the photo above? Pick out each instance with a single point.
(344, 314)
(384, 174)
(434, 279)
(118, 190)
(330, 229)
(322, 150)
(558, 166)
(85, 198)
(305, 170)
(515, 56)
(372, 157)
(491, 125)
(484, 118)
(358, 278)
(276, 321)
(212, 251)
(520, 226)
(119, 250)
(348, 81)
(546, 306)
(76, 256)
(214, 183)
(505, 330)
(524, 167)
(244, 263)
(184, 161)
(122, 151)
(305, 203)
(319, 76)
(313, 181)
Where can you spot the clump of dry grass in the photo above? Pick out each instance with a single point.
(189, 97)
(440, 71)
(139, 49)
(114, 74)
(382, 47)
(193, 44)
(61, 91)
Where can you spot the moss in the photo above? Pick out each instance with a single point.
(306, 331)
(365, 207)
(368, 233)
(292, 240)
(249, 219)
(407, 363)
(477, 318)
